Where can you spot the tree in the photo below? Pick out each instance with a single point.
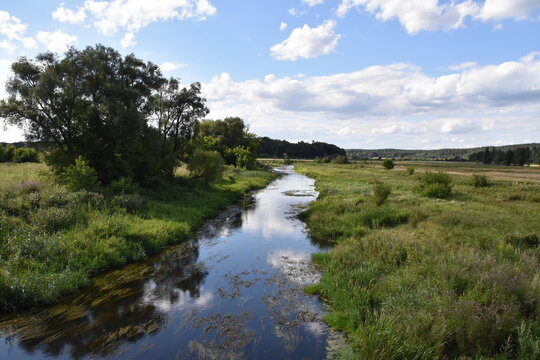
(177, 112)
(208, 164)
(92, 103)
(231, 138)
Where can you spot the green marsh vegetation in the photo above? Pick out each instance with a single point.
(420, 277)
(53, 237)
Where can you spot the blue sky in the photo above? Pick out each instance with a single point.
(357, 73)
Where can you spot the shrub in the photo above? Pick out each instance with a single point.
(54, 219)
(208, 164)
(340, 159)
(80, 176)
(23, 155)
(480, 180)
(388, 164)
(131, 202)
(438, 191)
(436, 185)
(380, 193)
(410, 170)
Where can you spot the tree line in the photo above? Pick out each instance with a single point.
(118, 115)
(270, 148)
(516, 156)
(11, 153)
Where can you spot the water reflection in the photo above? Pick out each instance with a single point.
(235, 291)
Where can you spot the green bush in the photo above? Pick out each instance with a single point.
(410, 170)
(438, 191)
(380, 193)
(80, 176)
(480, 180)
(54, 219)
(208, 164)
(388, 164)
(23, 155)
(340, 159)
(436, 185)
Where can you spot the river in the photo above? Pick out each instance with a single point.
(235, 291)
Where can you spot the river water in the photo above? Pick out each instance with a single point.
(233, 292)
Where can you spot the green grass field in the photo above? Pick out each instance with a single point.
(427, 278)
(52, 240)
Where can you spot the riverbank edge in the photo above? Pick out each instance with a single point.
(108, 240)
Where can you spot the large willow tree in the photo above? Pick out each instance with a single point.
(99, 104)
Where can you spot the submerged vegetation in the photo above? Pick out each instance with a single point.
(413, 276)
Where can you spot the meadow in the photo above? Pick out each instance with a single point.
(52, 240)
(418, 273)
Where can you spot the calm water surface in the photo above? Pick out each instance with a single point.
(233, 292)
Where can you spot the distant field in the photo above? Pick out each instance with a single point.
(498, 172)
(428, 278)
(12, 174)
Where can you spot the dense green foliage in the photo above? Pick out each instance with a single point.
(480, 180)
(231, 139)
(52, 238)
(10, 153)
(117, 112)
(435, 185)
(279, 149)
(512, 156)
(388, 164)
(207, 164)
(456, 278)
(500, 153)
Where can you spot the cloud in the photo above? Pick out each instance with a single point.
(11, 27)
(419, 15)
(505, 9)
(282, 26)
(66, 15)
(11, 30)
(313, 2)
(130, 16)
(465, 65)
(398, 100)
(415, 15)
(307, 42)
(170, 66)
(57, 41)
(128, 40)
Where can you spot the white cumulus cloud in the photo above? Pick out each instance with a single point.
(313, 2)
(419, 15)
(306, 42)
(381, 100)
(130, 16)
(282, 26)
(57, 41)
(171, 66)
(507, 9)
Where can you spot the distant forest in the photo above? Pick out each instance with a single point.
(508, 154)
(270, 148)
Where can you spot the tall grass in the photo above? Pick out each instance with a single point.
(53, 239)
(455, 278)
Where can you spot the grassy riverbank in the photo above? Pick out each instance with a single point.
(427, 278)
(52, 240)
